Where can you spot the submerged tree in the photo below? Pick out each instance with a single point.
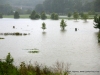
(43, 26)
(63, 24)
(16, 15)
(97, 22)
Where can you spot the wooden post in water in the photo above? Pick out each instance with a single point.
(75, 29)
(13, 26)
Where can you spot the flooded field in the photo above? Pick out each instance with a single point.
(78, 48)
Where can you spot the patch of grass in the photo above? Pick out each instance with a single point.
(48, 16)
(33, 51)
(15, 33)
(1, 38)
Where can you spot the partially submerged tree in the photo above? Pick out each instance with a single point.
(75, 16)
(16, 15)
(97, 22)
(43, 26)
(63, 24)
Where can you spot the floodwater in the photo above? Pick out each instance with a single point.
(78, 48)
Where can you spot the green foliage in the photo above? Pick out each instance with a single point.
(97, 22)
(34, 15)
(43, 26)
(1, 16)
(85, 17)
(69, 15)
(99, 35)
(54, 16)
(75, 15)
(9, 59)
(16, 15)
(63, 24)
(43, 15)
(23, 69)
(81, 14)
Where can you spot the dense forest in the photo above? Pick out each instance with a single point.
(49, 6)
(63, 6)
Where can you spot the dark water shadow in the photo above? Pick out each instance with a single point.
(44, 33)
(85, 22)
(76, 21)
(63, 31)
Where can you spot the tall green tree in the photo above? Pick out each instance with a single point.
(85, 17)
(63, 24)
(43, 16)
(54, 16)
(43, 26)
(1, 16)
(97, 22)
(9, 59)
(75, 16)
(16, 15)
(34, 15)
(81, 14)
(69, 14)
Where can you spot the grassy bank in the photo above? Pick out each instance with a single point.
(12, 16)
(48, 16)
(7, 68)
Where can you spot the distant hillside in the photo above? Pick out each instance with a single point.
(22, 3)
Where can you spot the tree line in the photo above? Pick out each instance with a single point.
(65, 6)
(49, 6)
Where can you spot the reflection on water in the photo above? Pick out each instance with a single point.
(79, 48)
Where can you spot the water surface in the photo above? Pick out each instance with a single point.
(78, 48)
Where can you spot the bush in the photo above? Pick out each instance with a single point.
(16, 15)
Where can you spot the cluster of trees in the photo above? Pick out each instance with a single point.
(77, 15)
(63, 6)
(35, 15)
(54, 16)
